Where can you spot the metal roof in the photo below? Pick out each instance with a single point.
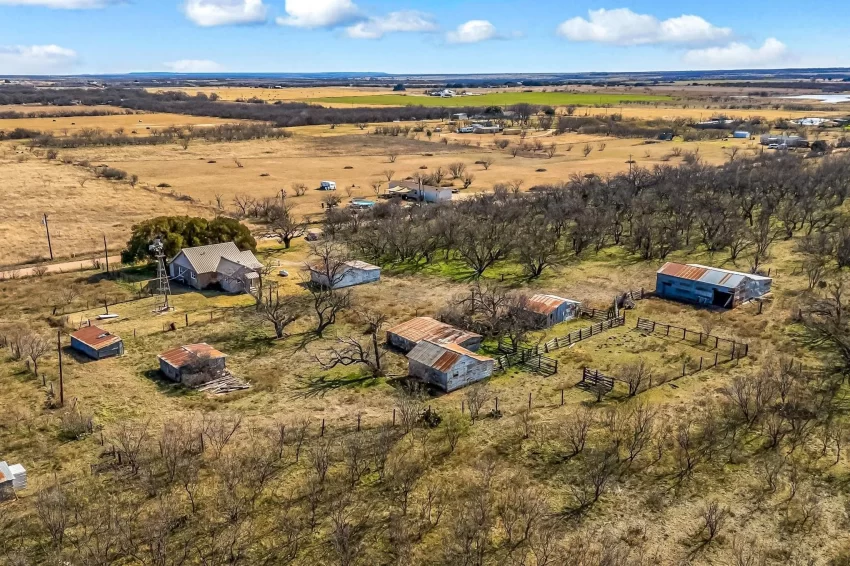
(95, 337)
(413, 186)
(205, 259)
(357, 264)
(546, 304)
(185, 355)
(426, 328)
(5, 473)
(710, 275)
(442, 357)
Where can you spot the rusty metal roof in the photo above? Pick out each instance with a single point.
(710, 275)
(546, 304)
(183, 356)
(426, 328)
(95, 337)
(5, 473)
(442, 356)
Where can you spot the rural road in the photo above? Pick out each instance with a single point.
(65, 267)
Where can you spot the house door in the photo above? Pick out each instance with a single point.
(722, 299)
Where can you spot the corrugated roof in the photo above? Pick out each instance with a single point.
(5, 472)
(441, 356)
(357, 264)
(205, 259)
(95, 337)
(413, 185)
(426, 328)
(185, 355)
(710, 275)
(546, 304)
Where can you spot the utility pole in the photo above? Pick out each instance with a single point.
(106, 254)
(47, 228)
(61, 380)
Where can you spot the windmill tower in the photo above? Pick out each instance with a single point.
(161, 287)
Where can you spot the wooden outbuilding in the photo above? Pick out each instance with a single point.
(407, 335)
(551, 309)
(97, 343)
(448, 366)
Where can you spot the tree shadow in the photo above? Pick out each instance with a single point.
(166, 386)
(320, 386)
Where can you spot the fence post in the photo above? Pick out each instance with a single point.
(358, 422)
(562, 396)
(733, 348)
(715, 358)
(684, 368)
(700, 338)
(653, 326)
(394, 416)
(462, 407)
(684, 333)
(187, 319)
(700, 363)
(323, 428)
(497, 404)
(529, 401)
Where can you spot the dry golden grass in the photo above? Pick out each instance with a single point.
(272, 94)
(79, 216)
(50, 109)
(140, 123)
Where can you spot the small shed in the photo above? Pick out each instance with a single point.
(12, 479)
(447, 365)
(551, 309)
(193, 364)
(701, 285)
(407, 335)
(741, 135)
(97, 343)
(420, 192)
(351, 274)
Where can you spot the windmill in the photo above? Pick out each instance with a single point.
(162, 288)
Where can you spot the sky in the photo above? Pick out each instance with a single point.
(418, 36)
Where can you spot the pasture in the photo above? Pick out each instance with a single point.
(499, 99)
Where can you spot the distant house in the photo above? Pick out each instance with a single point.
(413, 190)
(551, 309)
(407, 335)
(486, 128)
(350, 274)
(223, 264)
(787, 141)
(447, 365)
(97, 343)
(12, 479)
(193, 364)
(703, 285)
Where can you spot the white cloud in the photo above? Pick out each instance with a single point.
(624, 27)
(36, 59)
(319, 13)
(405, 21)
(193, 66)
(61, 4)
(209, 13)
(738, 55)
(473, 31)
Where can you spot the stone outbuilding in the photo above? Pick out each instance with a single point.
(193, 364)
(448, 366)
(97, 343)
(407, 335)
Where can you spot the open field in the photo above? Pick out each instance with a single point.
(273, 94)
(78, 216)
(133, 124)
(500, 99)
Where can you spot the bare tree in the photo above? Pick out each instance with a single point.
(331, 200)
(36, 348)
(300, 189)
(576, 429)
(54, 511)
(587, 149)
(280, 311)
(376, 187)
(457, 169)
(487, 162)
(467, 180)
(392, 156)
(636, 374)
(389, 174)
(327, 304)
(476, 396)
(713, 518)
(284, 225)
(454, 426)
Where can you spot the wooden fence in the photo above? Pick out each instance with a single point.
(575, 336)
(528, 359)
(732, 348)
(592, 380)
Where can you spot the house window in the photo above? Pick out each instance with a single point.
(192, 275)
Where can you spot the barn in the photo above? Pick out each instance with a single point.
(351, 274)
(447, 365)
(703, 285)
(408, 334)
(551, 309)
(192, 364)
(97, 343)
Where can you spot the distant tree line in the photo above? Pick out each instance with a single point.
(12, 115)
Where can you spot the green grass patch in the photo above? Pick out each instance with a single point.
(497, 99)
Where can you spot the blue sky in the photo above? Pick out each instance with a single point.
(417, 36)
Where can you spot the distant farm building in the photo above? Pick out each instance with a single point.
(486, 128)
(193, 364)
(551, 309)
(408, 334)
(12, 479)
(411, 190)
(703, 285)
(447, 365)
(741, 135)
(97, 343)
(787, 141)
(222, 264)
(348, 275)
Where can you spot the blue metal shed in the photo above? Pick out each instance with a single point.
(97, 343)
(703, 285)
(741, 135)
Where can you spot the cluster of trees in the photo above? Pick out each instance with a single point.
(12, 115)
(177, 232)
(742, 207)
(24, 344)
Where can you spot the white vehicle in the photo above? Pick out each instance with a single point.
(328, 186)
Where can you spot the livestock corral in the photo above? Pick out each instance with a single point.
(628, 355)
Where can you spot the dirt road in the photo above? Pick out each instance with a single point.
(65, 267)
